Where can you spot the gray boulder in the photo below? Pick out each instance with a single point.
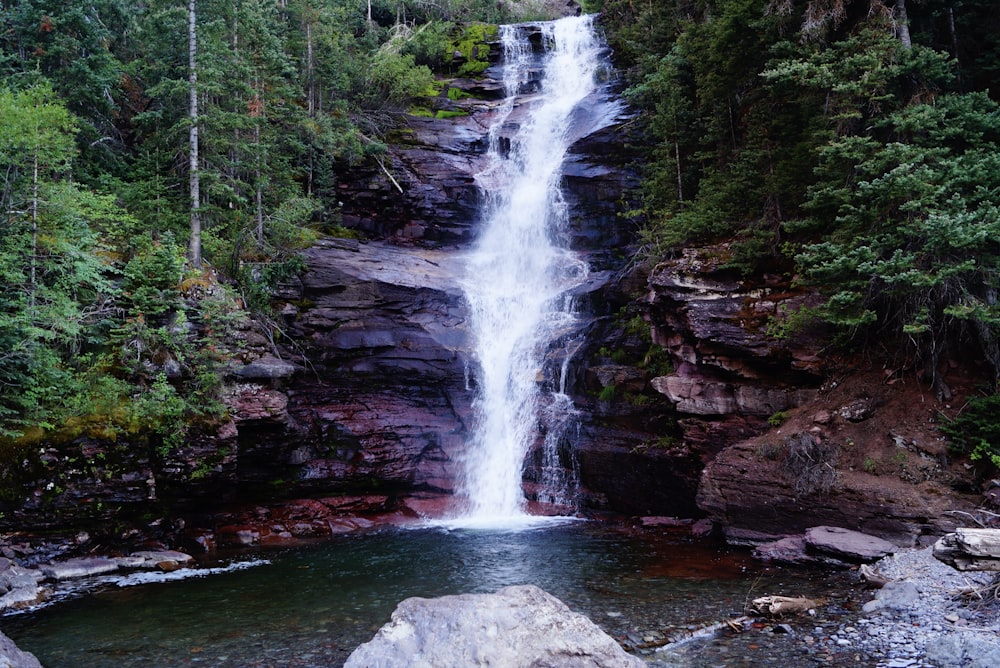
(965, 649)
(896, 595)
(517, 626)
(11, 656)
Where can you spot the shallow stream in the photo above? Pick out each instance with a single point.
(312, 606)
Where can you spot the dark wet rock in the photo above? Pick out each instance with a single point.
(11, 656)
(516, 626)
(252, 404)
(290, 521)
(714, 325)
(267, 367)
(743, 489)
(785, 550)
(665, 522)
(847, 544)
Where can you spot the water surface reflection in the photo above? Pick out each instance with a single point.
(311, 607)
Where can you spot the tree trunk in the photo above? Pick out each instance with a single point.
(310, 83)
(954, 45)
(903, 24)
(33, 262)
(194, 181)
(680, 180)
(258, 178)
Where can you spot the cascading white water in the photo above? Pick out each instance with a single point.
(520, 273)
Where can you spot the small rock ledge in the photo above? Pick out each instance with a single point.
(23, 586)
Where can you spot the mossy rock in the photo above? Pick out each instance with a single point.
(474, 46)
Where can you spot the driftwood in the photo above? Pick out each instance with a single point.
(681, 636)
(781, 605)
(970, 549)
(872, 577)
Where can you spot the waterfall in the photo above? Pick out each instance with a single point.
(520, 274)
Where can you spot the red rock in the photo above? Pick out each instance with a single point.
(673, 522)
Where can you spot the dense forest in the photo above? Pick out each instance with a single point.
(163, 162)
(849, 145)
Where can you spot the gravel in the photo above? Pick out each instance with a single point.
(927, 616)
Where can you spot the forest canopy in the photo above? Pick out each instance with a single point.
(849, 144)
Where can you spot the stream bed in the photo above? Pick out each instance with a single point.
(312, 606)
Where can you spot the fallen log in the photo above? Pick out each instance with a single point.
(969, 549)
(679, 637)
(782, 605)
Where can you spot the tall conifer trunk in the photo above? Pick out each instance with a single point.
(902, 24)
(194, 246)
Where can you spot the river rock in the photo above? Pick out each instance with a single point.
(785, 550)
(165, 559)
(848, 544)
(79, 568)
(896, 595)
(516, 626)
(965, 649)
(26, 593)
(11, 656)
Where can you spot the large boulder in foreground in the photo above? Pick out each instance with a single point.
(517, 626)
(13, 657)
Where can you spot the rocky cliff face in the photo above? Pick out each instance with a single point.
(365, 403)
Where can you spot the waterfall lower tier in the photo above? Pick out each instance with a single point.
(520, 273)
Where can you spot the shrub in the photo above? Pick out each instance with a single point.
(811, 463)
(976, 431)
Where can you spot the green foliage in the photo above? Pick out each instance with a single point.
(394, 79)
(152, 276)
(777, 419)
(473, 44)
(450, 113)
(914, 253)
(164, 411)
(618, 355)
(455, 94)
(639, 400)
(657, 361)
(976, 430)
(607, 393)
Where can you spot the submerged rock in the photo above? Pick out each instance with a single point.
(516, 626)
